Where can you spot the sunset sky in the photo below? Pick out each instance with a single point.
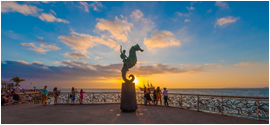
(186, 44)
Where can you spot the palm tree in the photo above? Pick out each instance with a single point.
(17, 80)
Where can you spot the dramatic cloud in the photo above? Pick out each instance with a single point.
(76, 55)
(95, 5)
(187, 20)
(98, 58)
(222, 4)
(10, 6)
(225, 20)
(246, 63)
(76, 70)
(137, 14)
(160, 39)
(117, 28)
(40, 49)
(147, 70)
(82, 42)
(141, 27)
(51, 18)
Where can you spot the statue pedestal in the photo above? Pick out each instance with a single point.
(128, 98)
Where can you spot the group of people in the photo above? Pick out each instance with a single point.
(72, 95)
(56, 94)
(44, 92)
(156, 96)
(9, 97)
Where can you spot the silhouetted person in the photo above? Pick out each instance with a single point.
(147, 96)
(144, 92)
(165, 94)
(154, 96)
(159, 96)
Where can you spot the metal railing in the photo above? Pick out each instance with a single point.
(240, 106)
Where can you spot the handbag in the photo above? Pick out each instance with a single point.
(70, 96)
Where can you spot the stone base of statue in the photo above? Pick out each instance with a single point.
(128, 98)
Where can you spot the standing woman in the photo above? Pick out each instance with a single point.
(159, 96)
(81, 96)
(144, 97)
(154, 96)
(73, 92)
(147, 95)
(56, 93)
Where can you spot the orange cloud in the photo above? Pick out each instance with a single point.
(10, 6)
(35, 48)
(49, 47)
(137, 14)
(82, 42)
(98, 58)
(222, 4)
(51, 18)
(187, 20)
(76, 55)
(95, 5)
(40, 49)
(225, 20)
(246, 63)
(117, 28)
(161, 39)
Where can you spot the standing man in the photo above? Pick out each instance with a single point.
(44, 95)
(165, 94)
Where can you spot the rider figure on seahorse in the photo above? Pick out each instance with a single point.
(129, 61)
(123, 56)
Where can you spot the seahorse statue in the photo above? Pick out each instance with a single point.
(129, 62)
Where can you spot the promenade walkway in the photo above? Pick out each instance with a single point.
(107, 113)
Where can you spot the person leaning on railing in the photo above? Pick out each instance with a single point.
(81, 96)
(73, 92)
(56, 93)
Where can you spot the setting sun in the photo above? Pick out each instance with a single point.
(136, 81)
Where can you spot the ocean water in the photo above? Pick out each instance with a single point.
(259, 92)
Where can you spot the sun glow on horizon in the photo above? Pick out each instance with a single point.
(136, 81)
